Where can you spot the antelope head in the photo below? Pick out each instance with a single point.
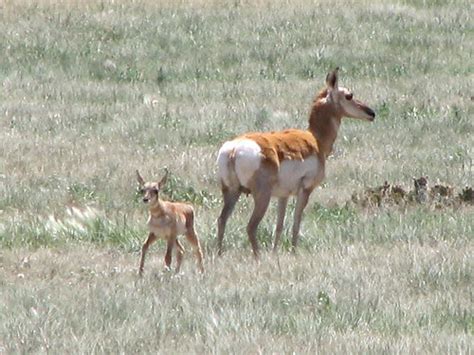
(344, 99)
(150, 190)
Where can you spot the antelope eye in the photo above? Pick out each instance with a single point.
(349, 97)
(142, 191)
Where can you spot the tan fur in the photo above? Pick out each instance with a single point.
(321, 121)
(296, 144)
(290, 144)
(329, 106)
(167, 220)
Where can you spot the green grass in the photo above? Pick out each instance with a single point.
(94, 91)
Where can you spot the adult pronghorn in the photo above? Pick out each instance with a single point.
(284, 163)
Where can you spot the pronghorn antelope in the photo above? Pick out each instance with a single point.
(167, 220)
(284, 163)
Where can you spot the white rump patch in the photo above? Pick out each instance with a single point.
(247, 159)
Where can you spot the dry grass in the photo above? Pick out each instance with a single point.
(355, 298)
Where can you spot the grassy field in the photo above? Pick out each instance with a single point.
(91, 91)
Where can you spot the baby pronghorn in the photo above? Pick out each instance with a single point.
(167, 220)
(286, 163)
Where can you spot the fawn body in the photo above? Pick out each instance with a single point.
(168, 220)
(285, 163)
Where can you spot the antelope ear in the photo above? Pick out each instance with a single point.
(331, 79)
(140, 180)
(163, 179)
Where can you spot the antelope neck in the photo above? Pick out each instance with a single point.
(157, 208)
(324, 123)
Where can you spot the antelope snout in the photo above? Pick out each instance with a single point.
(370, 112)
(146, 199)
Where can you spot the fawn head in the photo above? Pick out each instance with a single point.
(344, 99)
(150, 190)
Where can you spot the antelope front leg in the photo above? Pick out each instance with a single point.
(301, 202)
(151, 238)
(282, 202)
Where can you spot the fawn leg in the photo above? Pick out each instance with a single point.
(151, 238)
(179, 255)
(169, 250)
(194, 241)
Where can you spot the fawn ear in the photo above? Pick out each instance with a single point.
(331, 79)
(163, 179)
(140, 180)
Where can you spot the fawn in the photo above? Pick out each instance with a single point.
(168, 220)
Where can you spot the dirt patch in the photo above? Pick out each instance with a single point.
(437, 196)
